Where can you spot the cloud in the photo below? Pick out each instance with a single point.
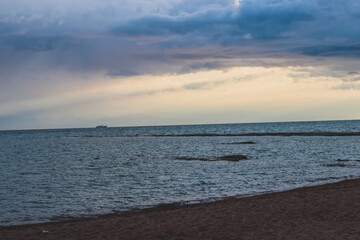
(332, 50)
(310, 28)
(203, 85)
(208, 65)
(260, 21)
(124, 38)
(55, 44)
(34, 43)
(347, 86)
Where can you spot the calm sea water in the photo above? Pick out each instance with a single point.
(51, 175)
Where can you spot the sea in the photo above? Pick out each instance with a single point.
(61, 174)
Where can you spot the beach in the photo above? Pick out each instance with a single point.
(330, 211)
(173, 120)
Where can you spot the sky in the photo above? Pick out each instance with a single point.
(83, 63)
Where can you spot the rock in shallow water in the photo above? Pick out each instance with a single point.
(335, 165)
(240, 143)
(231, 158)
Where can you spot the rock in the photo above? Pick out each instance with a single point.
(347, 160)
(342, 160)
(193, 159)
(335, 165)
(240, 143)
(231, 158)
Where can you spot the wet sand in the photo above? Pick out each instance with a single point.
(330, 211)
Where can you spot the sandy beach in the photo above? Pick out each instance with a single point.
(330, 211)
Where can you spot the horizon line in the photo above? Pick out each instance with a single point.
(172, 125)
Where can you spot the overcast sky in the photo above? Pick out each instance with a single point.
(139, 62)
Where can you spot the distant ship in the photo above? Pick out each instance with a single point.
(101, 126)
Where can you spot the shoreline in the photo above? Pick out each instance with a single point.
(178, 204)
(320, 211)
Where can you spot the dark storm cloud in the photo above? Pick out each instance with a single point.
(49, 47)
(33, 43)
(332, 50)
(258, 21)
(185, 36)
(257, 29)
(311, 28)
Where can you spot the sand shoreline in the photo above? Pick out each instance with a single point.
(330, 211)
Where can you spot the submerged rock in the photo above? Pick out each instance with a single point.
(194, 159)
(335, 165)
(239, 143)
(231, 158)
(347, 160)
